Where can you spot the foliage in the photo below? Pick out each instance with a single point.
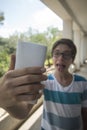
(4, 62)
(50, 60)
(6, 49)
(1, 17)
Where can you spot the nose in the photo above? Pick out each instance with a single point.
(60, 57)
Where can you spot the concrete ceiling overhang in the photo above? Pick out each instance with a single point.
(75, 10)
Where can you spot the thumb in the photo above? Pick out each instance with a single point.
(12, 62)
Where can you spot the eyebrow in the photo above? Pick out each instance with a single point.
(69, 51)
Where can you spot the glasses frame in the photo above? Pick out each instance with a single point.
(65, 55)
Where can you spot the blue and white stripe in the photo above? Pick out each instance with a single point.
(67, 123)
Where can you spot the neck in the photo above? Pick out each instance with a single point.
(65, 75)
(64, 78)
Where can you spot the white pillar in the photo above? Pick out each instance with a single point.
(82, 49)
(85, 48)
(77, 41)
(67, 28)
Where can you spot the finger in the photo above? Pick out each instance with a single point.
(12, 62)
(26, 97)
(27, 79)
(26, 71)
(30, 89)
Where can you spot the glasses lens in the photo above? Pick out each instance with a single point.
(56, 54)
(67, 56)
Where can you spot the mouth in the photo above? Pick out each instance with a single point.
(60, 67)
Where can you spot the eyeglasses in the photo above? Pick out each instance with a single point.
(65, 55)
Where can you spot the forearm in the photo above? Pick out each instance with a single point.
(19, 111)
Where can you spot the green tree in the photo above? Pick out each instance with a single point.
(7, 47)
(1, 17)
(4, 62)
(12, 43)
(52, 34)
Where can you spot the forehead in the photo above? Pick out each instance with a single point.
(63, 47)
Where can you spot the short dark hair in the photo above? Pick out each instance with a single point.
(67, 42)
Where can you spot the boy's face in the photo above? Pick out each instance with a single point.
(62, 58)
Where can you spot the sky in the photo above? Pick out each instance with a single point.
(20, 15)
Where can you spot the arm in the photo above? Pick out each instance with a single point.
(84, 118)
(19, 86)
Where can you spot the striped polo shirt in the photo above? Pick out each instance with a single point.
(62, 105)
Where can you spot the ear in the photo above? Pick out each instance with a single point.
(12, 62)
